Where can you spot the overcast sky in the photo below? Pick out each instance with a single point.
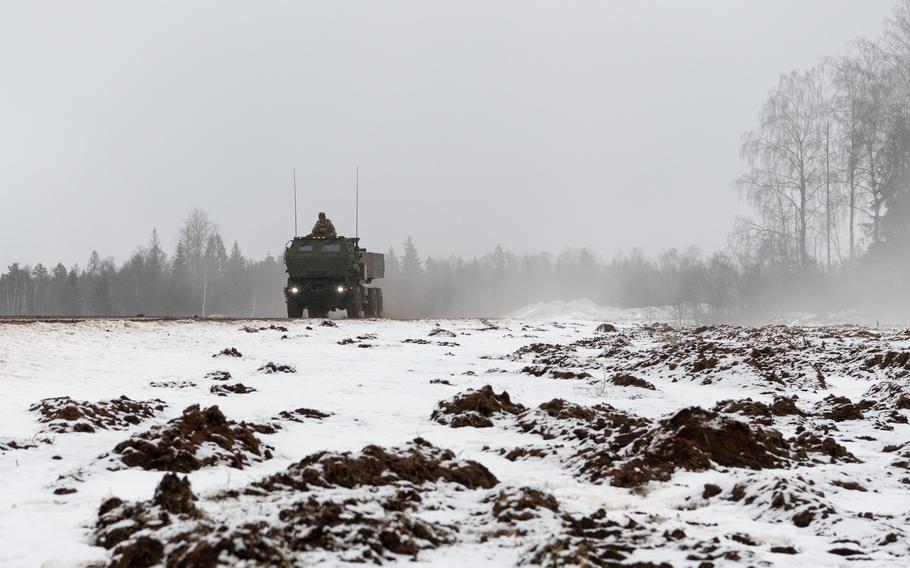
(536, 125)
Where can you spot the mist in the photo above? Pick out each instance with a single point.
(633, 155)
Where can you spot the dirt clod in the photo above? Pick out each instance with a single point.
(511, 505)
(475, 408)
(271, 368)
(711, 490)
(63, 414)
(228, 352)
(416, 463)
(838, 409)
(175, 495)
(440, 332)
(236, 388)
(693, 439)
(198, 438)
(625, 380)
(302, 415)
(218, 376)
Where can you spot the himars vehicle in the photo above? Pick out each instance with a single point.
(329, 273)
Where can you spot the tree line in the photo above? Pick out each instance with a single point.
(199, 278)
(202, 278)
(827, 177)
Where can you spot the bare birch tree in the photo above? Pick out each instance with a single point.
(785, 156)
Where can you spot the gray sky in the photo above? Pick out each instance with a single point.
(537, 125)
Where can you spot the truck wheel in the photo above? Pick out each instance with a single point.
(355, 308)
(295, 310)
(373, 307)
(369, 308)
(368, 305)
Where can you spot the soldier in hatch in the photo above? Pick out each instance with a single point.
(324, 228)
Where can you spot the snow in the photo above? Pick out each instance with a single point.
(382, 395)
(586, 310)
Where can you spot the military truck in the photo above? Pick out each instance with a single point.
(328, 273)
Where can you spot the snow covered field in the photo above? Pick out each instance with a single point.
(595, 457)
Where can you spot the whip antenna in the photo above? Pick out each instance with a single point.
(295, 202)
(357, 204)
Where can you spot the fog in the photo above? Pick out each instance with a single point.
(532, 125)
(624, 152)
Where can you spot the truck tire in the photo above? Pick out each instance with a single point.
(371, 308)
(295, 310)
(368, 304)
(355, 308)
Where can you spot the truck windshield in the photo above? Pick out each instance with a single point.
(305, 248)
(331, 248)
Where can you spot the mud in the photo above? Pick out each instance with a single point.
(631, 381)
(524, 452)
(889, 360)
(137, 533)
(887, 396)
(175, 495)
(272, 368)
(785, 406)
(548, 356)
(63, 414)
(693, 439)
(838, 409)
(301, 415)
(228, 352)
(598, 541)
(475, 409)
(236, 388)
(172, 384)
(823, 450)
(598, 425)
(756, 412)
(786, 500)
(568, 375)
(7, 444)
(199, 438)
(317, 507)
(416, 463)
(218, 376)
(271, 327)
(785, 358)
(522, 504)
(440, 332)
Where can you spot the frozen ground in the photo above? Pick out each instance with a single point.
(814, 470)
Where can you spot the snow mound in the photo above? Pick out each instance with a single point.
(586, 310)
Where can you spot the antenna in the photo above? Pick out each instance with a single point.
(357, 205)
(295, 202)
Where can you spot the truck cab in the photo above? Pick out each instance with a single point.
(331, 273)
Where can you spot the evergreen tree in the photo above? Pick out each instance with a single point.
(58, 290)
(71, 302)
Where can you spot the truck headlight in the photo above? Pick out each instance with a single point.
(341, 289)
(294, 290)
